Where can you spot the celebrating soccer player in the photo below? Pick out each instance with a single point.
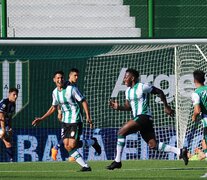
(66, 98)
(137, 101)
(73, 79)
(199, 98)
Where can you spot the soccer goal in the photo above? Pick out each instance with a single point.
(168, 67)
(167, 64)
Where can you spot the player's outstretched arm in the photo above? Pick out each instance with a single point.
(115, 105)
(36, 121)
(162, 96)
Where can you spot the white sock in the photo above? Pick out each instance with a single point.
(78, 158)
(168, 148)
(119, 149)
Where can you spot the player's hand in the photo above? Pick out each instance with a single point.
(90, 123)
(36, 121)
(196, 118)
(114, 104)
(169, 111)
(10, 131)
(3, 135)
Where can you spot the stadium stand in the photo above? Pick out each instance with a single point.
(70, 18)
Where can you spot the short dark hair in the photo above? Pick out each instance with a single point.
(13, 89)
(199, 76)
(74, 70)
(134, 73)
(58, 72)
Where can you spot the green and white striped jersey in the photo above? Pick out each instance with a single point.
(200, 97)
(67, 99)
(138, 98)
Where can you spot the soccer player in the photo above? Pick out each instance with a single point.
(73, 79)
(66, 98)
(137, 102)
(7, 110)
(199, 99)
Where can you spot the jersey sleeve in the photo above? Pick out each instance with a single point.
(77, 94)
(126, 94)
(195, 99)
(54, 100)
(2, 106)
(147, 88)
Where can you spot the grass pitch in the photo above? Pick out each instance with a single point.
(136, 169)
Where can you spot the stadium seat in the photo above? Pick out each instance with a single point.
(70, 18)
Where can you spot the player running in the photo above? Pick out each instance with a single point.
(137, 102)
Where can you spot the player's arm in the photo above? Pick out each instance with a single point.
(162, 97)
(80, 98)
(196, 112)
(2, 122)
(196, 104)
(59, 113)
(47, 114)
(10, 125)
(87, 112)
(115, 105)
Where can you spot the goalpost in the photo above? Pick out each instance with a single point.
(166, 63)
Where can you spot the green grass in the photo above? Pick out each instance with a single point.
(137, 169)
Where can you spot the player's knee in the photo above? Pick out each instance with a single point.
(68, 147)
(152, 144)
(121, 132)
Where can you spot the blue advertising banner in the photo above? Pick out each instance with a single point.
(35, 145)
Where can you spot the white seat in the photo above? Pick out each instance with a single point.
(74, 32)
(58, 2)
(87, 22)
(70, 18)
(68, 10)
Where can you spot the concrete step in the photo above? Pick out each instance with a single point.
(44, 21)
(68, 10)
(58, 2)
(74, 32)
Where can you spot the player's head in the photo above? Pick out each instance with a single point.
(199, 77)
(131, 77)
(73, 75)
(13, 94)
(58, 78)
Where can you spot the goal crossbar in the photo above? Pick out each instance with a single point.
(101, 41)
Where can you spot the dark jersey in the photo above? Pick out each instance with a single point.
(68, 83)
(8, 108)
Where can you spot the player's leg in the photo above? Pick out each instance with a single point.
(90, 142)
(204, 143)
(130, 127)
(72, 134)
(148, 134)
(54, 150)
(9, 149)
